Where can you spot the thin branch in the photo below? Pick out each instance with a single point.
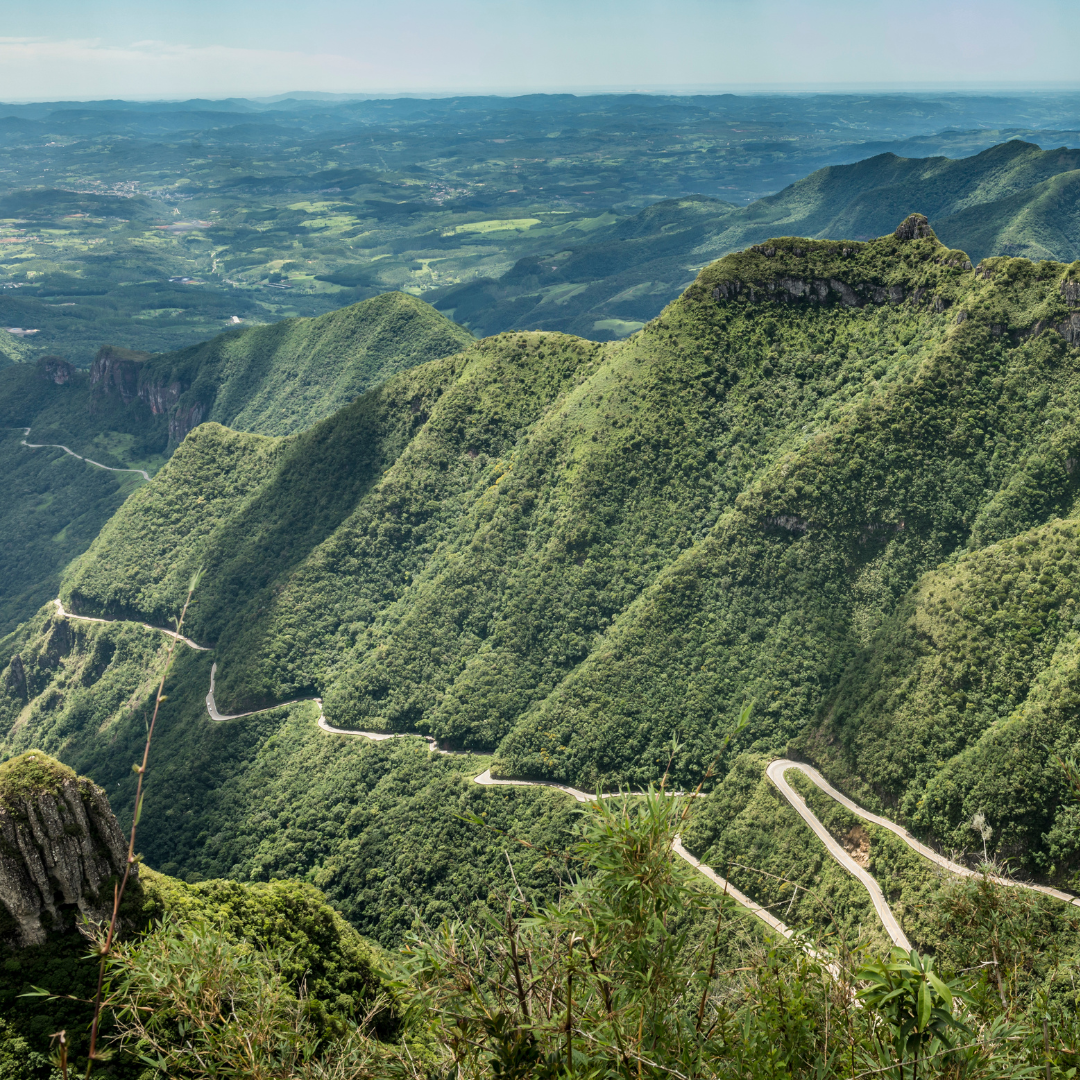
(118, 889)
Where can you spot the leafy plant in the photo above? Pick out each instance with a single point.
(190, 1001)
(915, 1003)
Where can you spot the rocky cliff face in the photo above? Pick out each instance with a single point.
(116, 371)
(184, 420)
(121, 373)
(59, 847)
(56, 369)
(161, 396)
(762, 283)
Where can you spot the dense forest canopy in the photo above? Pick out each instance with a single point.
(131, 410)
(835, 479)
(568, 553)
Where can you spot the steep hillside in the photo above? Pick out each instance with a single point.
(1040, 222)
(380, 828)
(53, 508)
(864, 199)
(273, 379)
(1012, 199)
(284, 377)
(573, 552)
(131, 409)
(49, 818)
(966, 698)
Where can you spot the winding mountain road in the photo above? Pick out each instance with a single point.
(89, 461)
(160, 629)
(776, 772)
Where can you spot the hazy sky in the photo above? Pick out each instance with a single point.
(53, 49)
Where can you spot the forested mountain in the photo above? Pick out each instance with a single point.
(131, 409)
(570, 552)
(1011, 199)
(862, 200)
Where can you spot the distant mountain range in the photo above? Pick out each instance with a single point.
(1012, 199)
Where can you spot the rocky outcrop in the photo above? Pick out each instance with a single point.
(56, 369)
(914, 227)
(184, 420)
(819, 290)
(121, 373)
(16, 677)
(161, 397)
(828, 272)
(116, 371)
(1069, 329)
(59, 847)
(1070, 290)
(789, 522)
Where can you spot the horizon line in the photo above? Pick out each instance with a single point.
(618, 90)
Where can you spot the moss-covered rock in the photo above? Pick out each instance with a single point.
(60, 847)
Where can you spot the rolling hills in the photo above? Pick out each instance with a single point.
(570, 553)
(269, 210)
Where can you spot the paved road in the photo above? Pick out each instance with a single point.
(160, 629)
(89, 461)
(779, 767)
(775, 773)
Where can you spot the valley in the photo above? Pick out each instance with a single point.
(128, 413)
(493, 545)
(154, 226)
(642, 525)
(775, 772)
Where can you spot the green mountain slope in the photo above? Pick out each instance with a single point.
(1040, 222)
(573, 552)
(865, 199)
(284, 377)
(54, 506)
(1012, 199)
(969, 692)
(130, 409)
(378, 827)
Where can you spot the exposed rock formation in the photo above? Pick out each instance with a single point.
(116, 371)
(121, 373)
(59, 846)
(818, 290)
(184, 420)
(56, 369)
(914, 227)
(160, 396)
(1070, 329)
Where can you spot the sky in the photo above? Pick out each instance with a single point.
(92, 49)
